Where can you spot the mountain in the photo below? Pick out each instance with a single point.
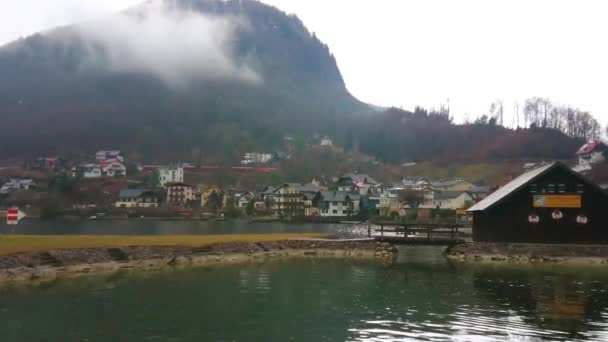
(171, 79)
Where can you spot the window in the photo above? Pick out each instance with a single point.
(334, 203)
(334, 211)
(533, 188)
(343, 211)
(561, 188)
(580, 188)
(551, 188)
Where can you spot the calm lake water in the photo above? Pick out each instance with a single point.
(422, 297)
(159, 227)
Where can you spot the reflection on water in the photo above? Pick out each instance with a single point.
(421, 298)
(159, 227)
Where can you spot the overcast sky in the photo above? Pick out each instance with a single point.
(404, 53)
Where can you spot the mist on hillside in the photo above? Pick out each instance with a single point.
(173, 43)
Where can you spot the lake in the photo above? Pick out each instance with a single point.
(172, 227)
(420, 298)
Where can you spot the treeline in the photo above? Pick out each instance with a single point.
(400, 136)
(539, 112)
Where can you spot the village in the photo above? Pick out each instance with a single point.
(110, 187)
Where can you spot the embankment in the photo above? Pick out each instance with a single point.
(528, 253)
(51, 264)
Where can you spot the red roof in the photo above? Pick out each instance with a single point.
(590, 147)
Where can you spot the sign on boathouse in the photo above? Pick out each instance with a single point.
(551, 204)
(557, 201)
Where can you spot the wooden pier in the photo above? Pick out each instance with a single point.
(431, 233)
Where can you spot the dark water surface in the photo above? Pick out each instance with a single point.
(421, 298)
(159, 227)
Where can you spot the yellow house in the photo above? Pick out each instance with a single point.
(206, 195)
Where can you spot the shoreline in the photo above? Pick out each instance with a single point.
(65, 263)
(522, 253)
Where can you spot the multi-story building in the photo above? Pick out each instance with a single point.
(172, 174)
(137, 198)
(180, 194)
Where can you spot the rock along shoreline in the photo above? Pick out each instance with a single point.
(528, 253)
(52, 264)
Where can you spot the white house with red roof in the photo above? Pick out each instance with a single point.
(107, 168)
(593, 152)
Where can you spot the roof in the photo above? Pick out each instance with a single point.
(360, 178)
(519, 182)
(446, 183)
(414, 181)
(132, 193)
(590, 147)
(480, 189)
(334, 196)
(441, 195)
(110, 152)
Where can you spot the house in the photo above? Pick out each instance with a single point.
(338, 204)
(550, 204)
(355, 183)
(90, 170)
(243, 200)
(452, 185)
(593, 152)
(257, 158)
(288, 200)
(389, 203)
(326, 142)
(107, 168)
(451, 200)
(101, 156)
(15, 184)
(213, 194)
(172, 174)
(415, 183)
(480, 192)
(311, 203)
(179, 194)
(259, 204)
(112, 168)
(137, 198)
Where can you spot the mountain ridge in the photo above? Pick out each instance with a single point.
(73, 105)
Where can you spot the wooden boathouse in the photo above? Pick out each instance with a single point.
(550, 204)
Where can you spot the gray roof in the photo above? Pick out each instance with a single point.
(440, 195)
(446, 183)
(132, 193)
(360, 178)
(481, 189)
(510, 187)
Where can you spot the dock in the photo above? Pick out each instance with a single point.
(428, 233)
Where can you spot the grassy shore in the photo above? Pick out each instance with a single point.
(32, 243)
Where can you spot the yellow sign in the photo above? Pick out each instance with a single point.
(461, 212)
(557, 201)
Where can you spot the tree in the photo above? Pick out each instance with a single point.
(152, 180)
(132, 169)
(250, 209)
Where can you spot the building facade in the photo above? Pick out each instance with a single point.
(137, 198)
(179, 194)
(550, 204)
(170, 175)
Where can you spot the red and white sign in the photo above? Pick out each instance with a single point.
(582, 219)
(14, 215)
(533, 218)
